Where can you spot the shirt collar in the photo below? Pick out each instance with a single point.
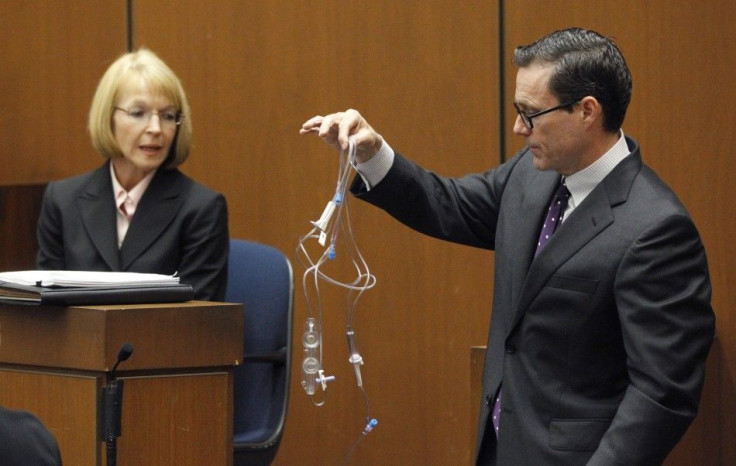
(583, 182)
(135, 194)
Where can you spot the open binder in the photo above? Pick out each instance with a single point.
(68, 288)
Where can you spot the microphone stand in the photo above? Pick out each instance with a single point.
(112, 399)
(113, 405)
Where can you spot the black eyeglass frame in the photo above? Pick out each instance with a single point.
(527, 118)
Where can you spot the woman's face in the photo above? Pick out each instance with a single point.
(144, 125)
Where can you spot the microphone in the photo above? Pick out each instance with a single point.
(113, 406)
(125, 351)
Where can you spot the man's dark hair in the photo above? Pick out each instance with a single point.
(586, 64)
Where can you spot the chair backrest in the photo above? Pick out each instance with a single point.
(261, 277)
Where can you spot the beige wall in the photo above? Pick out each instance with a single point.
(426, 75)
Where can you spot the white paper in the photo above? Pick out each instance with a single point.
(74, 278)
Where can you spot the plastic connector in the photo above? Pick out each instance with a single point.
(323, 379)
(324, 220)
(310, 364)
(312, 373)
(370, 426)
(310, 368)
(355, 358)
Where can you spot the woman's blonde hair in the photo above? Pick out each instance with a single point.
(160, 79)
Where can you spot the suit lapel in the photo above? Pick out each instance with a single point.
(158, 208)
(96, 205)
(593, 216)
(533, 209)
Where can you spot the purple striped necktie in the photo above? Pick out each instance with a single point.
(554, 215)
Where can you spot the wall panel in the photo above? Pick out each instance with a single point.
(54, 52)
(423, 74)
(682, 116)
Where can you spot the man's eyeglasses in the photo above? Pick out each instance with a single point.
(527, 117)
(142, 117)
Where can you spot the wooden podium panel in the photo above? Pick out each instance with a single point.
(177, 398)
(66, 404)
(196, 410)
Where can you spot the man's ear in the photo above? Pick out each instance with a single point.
(592, 110)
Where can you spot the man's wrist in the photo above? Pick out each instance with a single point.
(375, 169)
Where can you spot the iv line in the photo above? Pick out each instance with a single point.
(334, 224)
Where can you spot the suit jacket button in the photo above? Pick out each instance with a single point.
(510, 348)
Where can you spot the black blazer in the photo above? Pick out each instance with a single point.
(601, 340)
(25, 441)
(179, 227)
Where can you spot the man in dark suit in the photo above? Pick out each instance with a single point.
(25, 441)
(600, 331)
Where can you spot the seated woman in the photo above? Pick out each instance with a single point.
(138, 212)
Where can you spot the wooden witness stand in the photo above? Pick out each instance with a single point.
(178, 383)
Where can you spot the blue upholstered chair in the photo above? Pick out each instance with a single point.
(261, 277)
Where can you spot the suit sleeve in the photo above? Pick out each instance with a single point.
(50, 255)
(205, 247)
(462, 210)
(663, 297)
